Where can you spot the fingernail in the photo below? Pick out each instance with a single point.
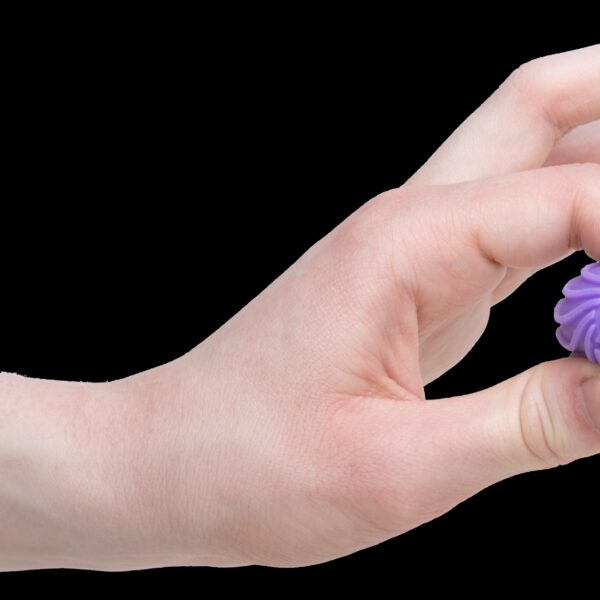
(591, 399)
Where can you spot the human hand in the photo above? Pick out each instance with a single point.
(298, 432)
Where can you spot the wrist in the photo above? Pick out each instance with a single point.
(76, 490)
(49, 485)
(135, 473)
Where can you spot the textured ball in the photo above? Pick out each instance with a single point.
(578, 314)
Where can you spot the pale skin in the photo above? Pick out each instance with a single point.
(298, 432)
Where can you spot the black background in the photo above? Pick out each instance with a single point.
(159, 175)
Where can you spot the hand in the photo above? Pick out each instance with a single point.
(298, 432)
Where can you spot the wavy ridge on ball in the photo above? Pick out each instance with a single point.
(578, 314)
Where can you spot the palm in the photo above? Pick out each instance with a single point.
(387, 302)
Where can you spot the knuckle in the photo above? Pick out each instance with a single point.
(364, 240)
(542, 429)
(378, 212)
(359, 464)
(361, 226)
(588, 171)
(578, 179)
(356, 467)
(526, 77)
(531, 87)
(536, 430)
(368, 476)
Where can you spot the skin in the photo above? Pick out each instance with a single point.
(298, 432)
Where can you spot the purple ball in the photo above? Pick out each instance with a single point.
(578, 314)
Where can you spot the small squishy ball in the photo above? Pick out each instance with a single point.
(578, 315)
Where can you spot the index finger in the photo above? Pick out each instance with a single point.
(517, 127)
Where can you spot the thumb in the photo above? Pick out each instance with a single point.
(547, 416)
